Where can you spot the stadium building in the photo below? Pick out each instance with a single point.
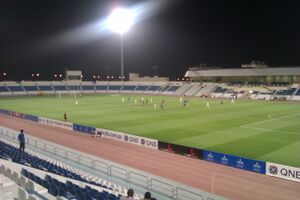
(253, 72)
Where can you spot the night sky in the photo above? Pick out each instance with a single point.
(47, 37)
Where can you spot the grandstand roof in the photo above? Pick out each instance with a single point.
(280, 71)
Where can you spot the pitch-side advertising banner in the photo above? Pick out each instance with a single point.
(146, 142)
(56, 123)
(283, 171)
(235, 161)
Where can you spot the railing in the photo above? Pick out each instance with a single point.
(160, 185)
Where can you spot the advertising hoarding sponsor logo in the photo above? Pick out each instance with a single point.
(256, 167)
(210, 157)
(56, 123)
(146, 142)
(240, 163)
(235, 161)
(283, 171)
(224, 160)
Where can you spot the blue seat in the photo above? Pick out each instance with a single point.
(60, 191)
(52, 190)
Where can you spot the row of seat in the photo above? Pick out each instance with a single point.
(26, 189)
(150, 88)
(8, 151)
(69, 190)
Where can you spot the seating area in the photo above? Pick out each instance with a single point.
(287, 92)
(31, 87)
(68, 189)
(16, 186)
(34, 160)
(291, 92)
(220, 90)
(257, 83)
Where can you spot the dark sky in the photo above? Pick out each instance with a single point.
(48, 36)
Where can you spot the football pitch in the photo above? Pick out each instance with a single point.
(262, 130)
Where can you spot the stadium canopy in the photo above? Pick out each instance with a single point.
(269, 75)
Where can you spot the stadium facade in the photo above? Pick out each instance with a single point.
(246, 74)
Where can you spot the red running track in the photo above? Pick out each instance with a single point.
(228, 182)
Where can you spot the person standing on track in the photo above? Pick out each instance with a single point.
(21, 139)
(65, 116)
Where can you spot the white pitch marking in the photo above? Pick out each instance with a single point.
(272, 119)
(269, 129)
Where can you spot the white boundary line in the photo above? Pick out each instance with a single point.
(248, 126)
(269, 120)
(269, 129)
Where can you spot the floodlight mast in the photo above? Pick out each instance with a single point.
(120, 21)
(122, 59)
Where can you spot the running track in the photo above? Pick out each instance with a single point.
(228, 182)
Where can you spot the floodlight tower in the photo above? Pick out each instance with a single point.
(120, 21)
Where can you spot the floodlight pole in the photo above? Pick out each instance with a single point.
(122, 58)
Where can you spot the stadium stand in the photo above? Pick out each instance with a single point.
(49, 165)
(276, 90)
(10, 152)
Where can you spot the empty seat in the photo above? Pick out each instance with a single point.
(22, 194)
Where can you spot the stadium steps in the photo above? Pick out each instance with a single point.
(5, 85)
(206, 89)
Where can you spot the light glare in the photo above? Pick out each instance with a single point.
(120, 20)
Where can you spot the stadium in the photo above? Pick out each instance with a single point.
(246, 127)
(101, 133)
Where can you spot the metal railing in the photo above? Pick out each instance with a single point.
(168, 188)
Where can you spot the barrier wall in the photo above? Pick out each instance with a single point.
(123, 137)
(283, 172)
(235, 161)
(84, 129)
(56, 123)
(20, 115)
(179, 149)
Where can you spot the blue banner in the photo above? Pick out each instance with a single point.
(31, 117)
(84, 129)
(7, 112)
(235, 161)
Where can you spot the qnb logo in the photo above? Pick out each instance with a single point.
(126, 138)
(273, 169)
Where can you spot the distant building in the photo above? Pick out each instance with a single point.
(255, 64)
(255, 71)
(136, 77)
(73, 75)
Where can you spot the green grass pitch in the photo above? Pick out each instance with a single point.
(268, 131)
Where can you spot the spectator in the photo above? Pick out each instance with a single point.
(21, 139)
(147, 196)
(130, 194)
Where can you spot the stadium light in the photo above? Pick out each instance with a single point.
(4, 74)
(120, 21)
